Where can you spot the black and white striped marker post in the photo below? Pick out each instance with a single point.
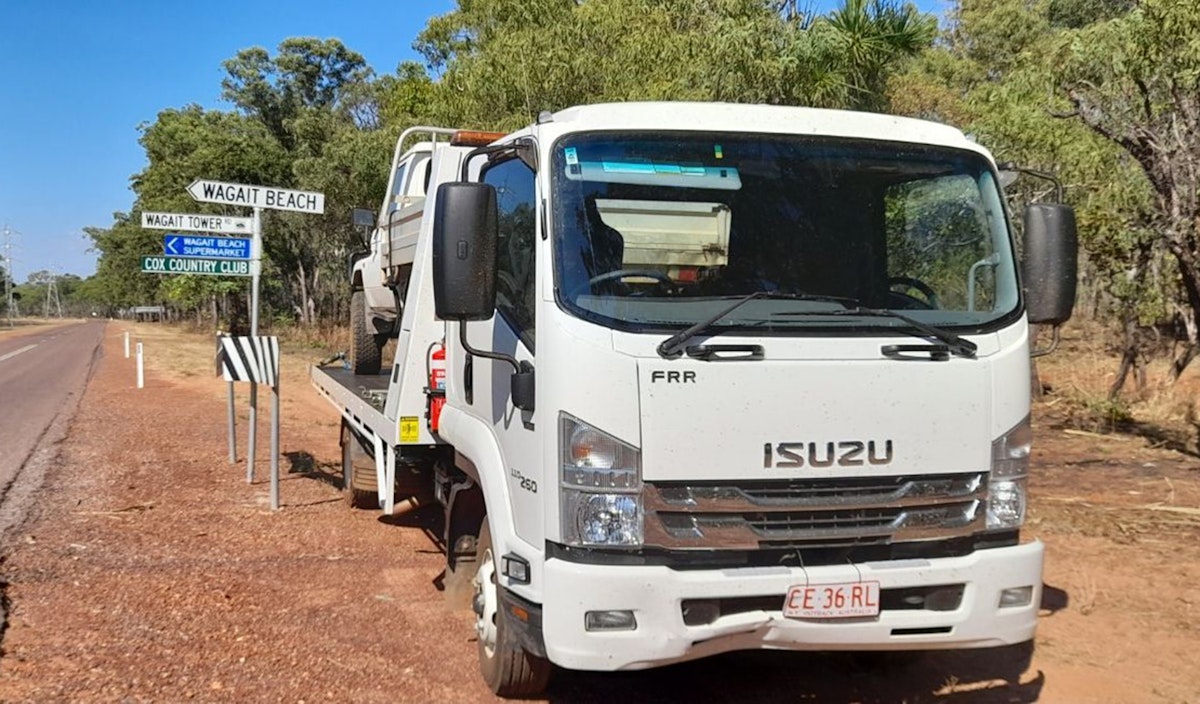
(247, 358)
(254, 359)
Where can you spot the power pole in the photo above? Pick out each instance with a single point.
(8, 309)
(52, 300)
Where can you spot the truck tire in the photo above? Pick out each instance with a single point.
(366, 345)
(358, 473)
(508, 669)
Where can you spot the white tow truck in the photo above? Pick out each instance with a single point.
(691, 378)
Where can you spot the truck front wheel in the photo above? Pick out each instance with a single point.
(366, 345)
(508, 669)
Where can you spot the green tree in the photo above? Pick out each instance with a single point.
(180, 145)
(993, 75)
(309, 117)
(305, 73)
(868, 37)
(501, 62)
(118, 282)
(316, 98)
(313, 115)
(1135, 82)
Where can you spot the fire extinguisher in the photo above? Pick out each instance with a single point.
(437, 384)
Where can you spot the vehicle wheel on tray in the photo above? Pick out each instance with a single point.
(358, 473)
(508, 669)
(366, 345)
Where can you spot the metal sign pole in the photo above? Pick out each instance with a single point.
(232, 428)
(232, 419)
(255, 272)
(275, 446)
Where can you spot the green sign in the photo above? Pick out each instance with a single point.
(191, 265)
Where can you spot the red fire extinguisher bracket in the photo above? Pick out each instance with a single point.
(437, 385)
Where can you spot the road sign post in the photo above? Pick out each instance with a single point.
(257, 197)
(275, 445)
(232, 425)
(256, 264)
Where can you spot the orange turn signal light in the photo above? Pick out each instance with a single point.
(474, 138)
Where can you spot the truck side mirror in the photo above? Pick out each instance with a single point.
(363, 220)
(464, 251)
(1049, 262)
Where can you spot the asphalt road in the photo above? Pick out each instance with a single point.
(42, 376)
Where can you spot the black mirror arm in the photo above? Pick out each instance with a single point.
(1054, 340)
(1058, 187)
(522, 380)
(462, 337)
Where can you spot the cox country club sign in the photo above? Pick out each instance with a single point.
(190, 265)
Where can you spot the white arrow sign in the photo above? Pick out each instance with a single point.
(223, 224)
(257, 196)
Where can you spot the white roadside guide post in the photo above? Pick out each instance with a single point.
(126, 344)
(141, 370)
(259, 197)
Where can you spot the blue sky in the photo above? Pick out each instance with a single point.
(79, 76)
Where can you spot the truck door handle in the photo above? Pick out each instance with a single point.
(469, 379)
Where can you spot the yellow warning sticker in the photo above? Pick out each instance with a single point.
(410, 428)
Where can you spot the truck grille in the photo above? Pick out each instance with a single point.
(814, 513)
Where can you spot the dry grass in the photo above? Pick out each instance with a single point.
(185, 351)
(1080, 374)
(171, 350)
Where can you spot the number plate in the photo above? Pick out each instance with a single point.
(842, 600)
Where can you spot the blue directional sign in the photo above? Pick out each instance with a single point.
(178, 245)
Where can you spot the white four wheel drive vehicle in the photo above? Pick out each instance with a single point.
(692, 378)
(380, 276)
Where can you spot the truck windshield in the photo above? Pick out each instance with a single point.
(657, 231)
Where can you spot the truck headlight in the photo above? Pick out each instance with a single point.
(1007, 481)
(601, 495)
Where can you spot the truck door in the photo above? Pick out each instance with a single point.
(512, 330)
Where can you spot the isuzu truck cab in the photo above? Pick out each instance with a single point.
(719, 377)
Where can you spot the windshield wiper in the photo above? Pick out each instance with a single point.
(673, 346)
(955, 344)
